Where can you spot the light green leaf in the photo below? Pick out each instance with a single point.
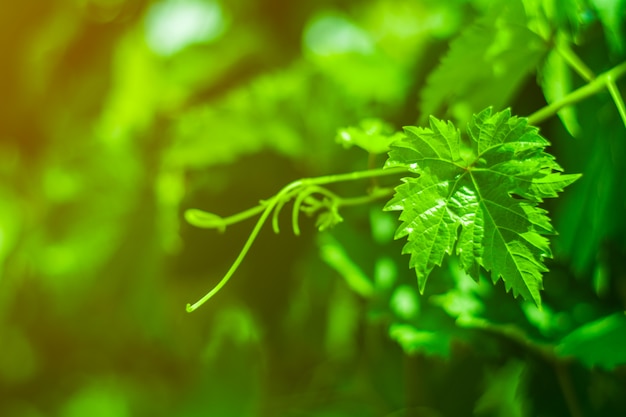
(612, 14)
(478, 197)
(485, 65)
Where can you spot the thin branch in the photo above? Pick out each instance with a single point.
(575, 62)
(598, 84)
(565, 382)
(617, 98)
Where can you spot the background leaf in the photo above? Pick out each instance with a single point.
(485, 65)
(598, 343)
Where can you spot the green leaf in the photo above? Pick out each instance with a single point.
(556, 83)
(599, 343)
(562, 17)
(478, 197)
(485, 65)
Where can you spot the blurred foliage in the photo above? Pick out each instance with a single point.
(118, 115)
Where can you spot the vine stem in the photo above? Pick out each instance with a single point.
(579, 66)
(276, 202)
(602, 81)
(575, 62)
(617, 98)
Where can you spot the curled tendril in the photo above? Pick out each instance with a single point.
(302, 193)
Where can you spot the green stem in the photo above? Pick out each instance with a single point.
(376, 194)
(598, 84)
(246, 247)
(617, 98)
(567, 388)
(575, 62)
(257, 228)
(356, 175)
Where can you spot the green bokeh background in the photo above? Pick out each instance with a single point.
(118, 115)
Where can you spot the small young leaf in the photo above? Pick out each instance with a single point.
(372, 135)
(478, 197)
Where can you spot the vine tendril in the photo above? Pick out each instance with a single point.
(301, 192)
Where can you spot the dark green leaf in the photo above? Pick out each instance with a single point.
(599, 343)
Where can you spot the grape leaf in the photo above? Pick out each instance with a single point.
(478, 197)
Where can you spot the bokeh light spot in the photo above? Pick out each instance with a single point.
(172, 25)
